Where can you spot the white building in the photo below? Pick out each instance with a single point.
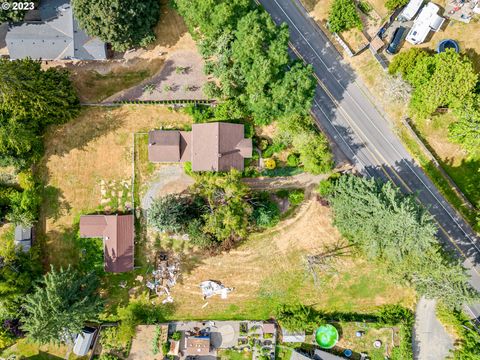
(428, 20)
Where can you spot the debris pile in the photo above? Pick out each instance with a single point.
(210, 288)
(165, 276)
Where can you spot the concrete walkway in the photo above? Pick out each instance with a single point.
(430, 340)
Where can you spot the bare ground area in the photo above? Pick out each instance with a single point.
(83, 156)
(181, 78)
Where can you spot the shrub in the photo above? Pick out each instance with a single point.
(296, 197)
(165, 348)
(275, 148)
(170, 213)
(394, 4)
(270, 164)
(325, 187)
(110, 340)
(266, 214)
(263, 144)
(364, 7)
(177, 335)
(197, 236)
(293, 160)
(187, 167)
(343, 16)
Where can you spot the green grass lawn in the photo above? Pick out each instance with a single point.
(233, 355)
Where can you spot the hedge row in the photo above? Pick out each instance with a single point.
(206, 102)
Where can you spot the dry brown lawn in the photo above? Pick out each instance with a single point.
(268, 270)
(95, 147)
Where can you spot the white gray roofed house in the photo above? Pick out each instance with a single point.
(54, 35)
(23, 237)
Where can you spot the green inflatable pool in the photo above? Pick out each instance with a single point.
(326, 336)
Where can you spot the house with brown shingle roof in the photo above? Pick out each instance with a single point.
(117, 232)
(215, 146)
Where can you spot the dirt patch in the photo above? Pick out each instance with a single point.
(142, 343)
(296, 233)
(80, 156)
(181, 78)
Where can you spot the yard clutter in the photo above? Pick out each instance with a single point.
(211, 288)
(165, 276)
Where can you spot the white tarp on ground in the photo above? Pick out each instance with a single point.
(210, 288)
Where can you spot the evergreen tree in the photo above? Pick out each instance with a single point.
(122, 23)
(59, 307)
(31, 99)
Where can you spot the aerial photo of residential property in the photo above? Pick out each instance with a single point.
(240, 179)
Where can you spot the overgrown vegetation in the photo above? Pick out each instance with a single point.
(445, 80)
(18, 273)
(466, 336)
(122, 23)
(30, 100)
(60, 305)
(395, 4)
(219, 210)
(393, 228)
(343, 16)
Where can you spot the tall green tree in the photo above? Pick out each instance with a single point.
(122, 23)
(18, 272)
(59, 307)
(439, 80)
(344, 16)
(226, 218)
(380, 219)
(388, 226)
(171, 213)
(466, 130)
(31, 99)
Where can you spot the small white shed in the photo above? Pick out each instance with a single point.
(84, 341)
(293, 336)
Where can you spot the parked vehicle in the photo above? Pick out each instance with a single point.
(396, 40)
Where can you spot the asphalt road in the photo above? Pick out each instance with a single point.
(342, 108)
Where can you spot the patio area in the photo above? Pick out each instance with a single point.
(462, 10)
(253, 336)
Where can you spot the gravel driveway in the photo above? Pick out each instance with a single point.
(169, 179)
(430, 340)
